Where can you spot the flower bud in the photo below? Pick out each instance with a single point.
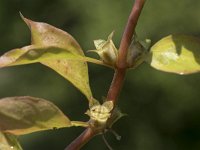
(137, 52)
(106, 50)
(99, 114)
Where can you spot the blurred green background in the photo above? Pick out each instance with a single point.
(163, 109)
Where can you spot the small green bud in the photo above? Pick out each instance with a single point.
(137, 52)
(106, 50)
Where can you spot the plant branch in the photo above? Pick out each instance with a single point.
(116, 85)
(82, 139)
(119, 74)
(128, 32)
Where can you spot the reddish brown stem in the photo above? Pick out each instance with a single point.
(119, 74)
(116, 85)
(81, 140)
(128, 32)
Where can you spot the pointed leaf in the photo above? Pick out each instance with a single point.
(47, 35)
(33, 54)
(9, 142)
(22, 115)
(53, 47)
(177, 54)
(61, 60)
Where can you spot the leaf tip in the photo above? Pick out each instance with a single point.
(21, 15)
(27, 21)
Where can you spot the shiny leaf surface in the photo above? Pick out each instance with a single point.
(178, 54)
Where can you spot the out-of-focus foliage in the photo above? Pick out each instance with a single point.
(163, 109)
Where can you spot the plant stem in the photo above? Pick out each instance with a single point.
(81, 140)
(128, 32)
(116, 85)
(119, 74)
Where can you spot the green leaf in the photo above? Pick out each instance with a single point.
(33, 54)
(56, 49)
(9, 142)
(23, 115)
(178, 54)
(75, 71)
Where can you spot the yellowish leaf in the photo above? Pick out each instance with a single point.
(23, 115)
(178, 54)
